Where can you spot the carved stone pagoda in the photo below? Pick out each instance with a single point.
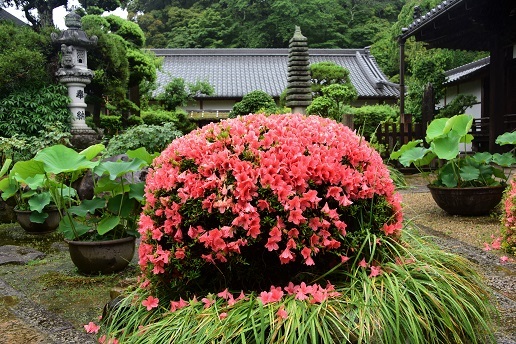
(73, 71)
(299, 94)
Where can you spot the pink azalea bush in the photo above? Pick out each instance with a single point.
(275, 229)
(508, 242)
(261, 201)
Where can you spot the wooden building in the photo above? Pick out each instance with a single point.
(476, 25)
(236, 72)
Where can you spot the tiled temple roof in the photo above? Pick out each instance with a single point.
(465, 71)
(235, 72)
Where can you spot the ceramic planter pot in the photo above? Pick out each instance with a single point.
(101, 257)
(50, 224)
(474, 201)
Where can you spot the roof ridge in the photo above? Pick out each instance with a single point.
(434, 12)
(6, 15)
(249, 51)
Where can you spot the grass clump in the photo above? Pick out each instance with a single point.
(425, 295)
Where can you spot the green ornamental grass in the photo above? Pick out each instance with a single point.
(425, 296)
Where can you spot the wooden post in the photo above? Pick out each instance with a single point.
(497, 94)
(402, 75)
(347, 120)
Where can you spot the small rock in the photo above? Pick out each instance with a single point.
(11, 254)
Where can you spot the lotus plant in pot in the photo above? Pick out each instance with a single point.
(100, 231)
(462, 184)
(36, 211)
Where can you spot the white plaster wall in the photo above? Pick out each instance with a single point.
(471, 87)
(211, 105)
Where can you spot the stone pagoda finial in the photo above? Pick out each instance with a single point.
(299, 93)
(74, 72)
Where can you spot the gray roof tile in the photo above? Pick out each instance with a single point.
(463, 72)
(430, 15)
(4, 15)
(235, 72)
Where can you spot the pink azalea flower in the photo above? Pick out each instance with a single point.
(290, 288)
(223, 315)
(175, 305)
(282, 313)
(497, 243)
(375, 271)
(104, 340)
(225, 294)
(504, 259)
(91, 327)
(150, 302)
(286, 256)
(363, 263)
(207, 302)
(179, 253)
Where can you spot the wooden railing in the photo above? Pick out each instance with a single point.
(393, 135)
(208, 115)
(480, 131)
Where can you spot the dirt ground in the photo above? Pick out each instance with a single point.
(467, 237)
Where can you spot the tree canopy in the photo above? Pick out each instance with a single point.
(262, 23)
(39, 12)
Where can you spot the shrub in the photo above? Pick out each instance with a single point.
(25, 112)
(252, 102)
(133, 121)
(295, 191)
(155, 138)
(25, 58)
(509, 219)
(334, 99)
(287, 229)
(159, 117)
(178, 93)
(23, 147)
(111, 124)
(367, 118)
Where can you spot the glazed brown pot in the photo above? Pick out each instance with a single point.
(473, 201)
(101, 257)
(50, 224)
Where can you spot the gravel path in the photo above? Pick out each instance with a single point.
(466, 236)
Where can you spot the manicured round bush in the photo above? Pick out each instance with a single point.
(264, 200)
(253, 101)
(509, 219)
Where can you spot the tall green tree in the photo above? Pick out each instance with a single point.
(40, 12)
(118, 62)
(262, 23)
(99, 6)
(26, 58)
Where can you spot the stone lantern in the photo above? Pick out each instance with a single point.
(73, 71)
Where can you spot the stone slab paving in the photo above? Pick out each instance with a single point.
(12, 254)
(25, 322)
